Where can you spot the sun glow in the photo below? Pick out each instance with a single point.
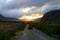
(31, 17)
(27, 9)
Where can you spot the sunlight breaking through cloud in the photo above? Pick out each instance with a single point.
(16, 8)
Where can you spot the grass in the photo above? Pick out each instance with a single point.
(8, 29)
(52, 29)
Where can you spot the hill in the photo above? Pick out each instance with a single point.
(51, 16)
(2, 18)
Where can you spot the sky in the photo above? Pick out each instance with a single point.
(16, 8)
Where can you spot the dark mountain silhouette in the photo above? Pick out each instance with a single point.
(51, 16)
(2, 18)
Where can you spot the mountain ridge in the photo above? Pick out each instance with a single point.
(51, 16)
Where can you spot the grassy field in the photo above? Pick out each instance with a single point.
(8, 29)
(52, 29)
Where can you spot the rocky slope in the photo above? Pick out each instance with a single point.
(52, 16)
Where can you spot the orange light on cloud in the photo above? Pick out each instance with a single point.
(31, 17)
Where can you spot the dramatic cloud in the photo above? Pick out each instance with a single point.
(16, 8)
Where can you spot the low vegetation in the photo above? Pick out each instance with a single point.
(8, 29)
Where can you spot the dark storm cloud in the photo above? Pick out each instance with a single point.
(12, 8)
(25, 3)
